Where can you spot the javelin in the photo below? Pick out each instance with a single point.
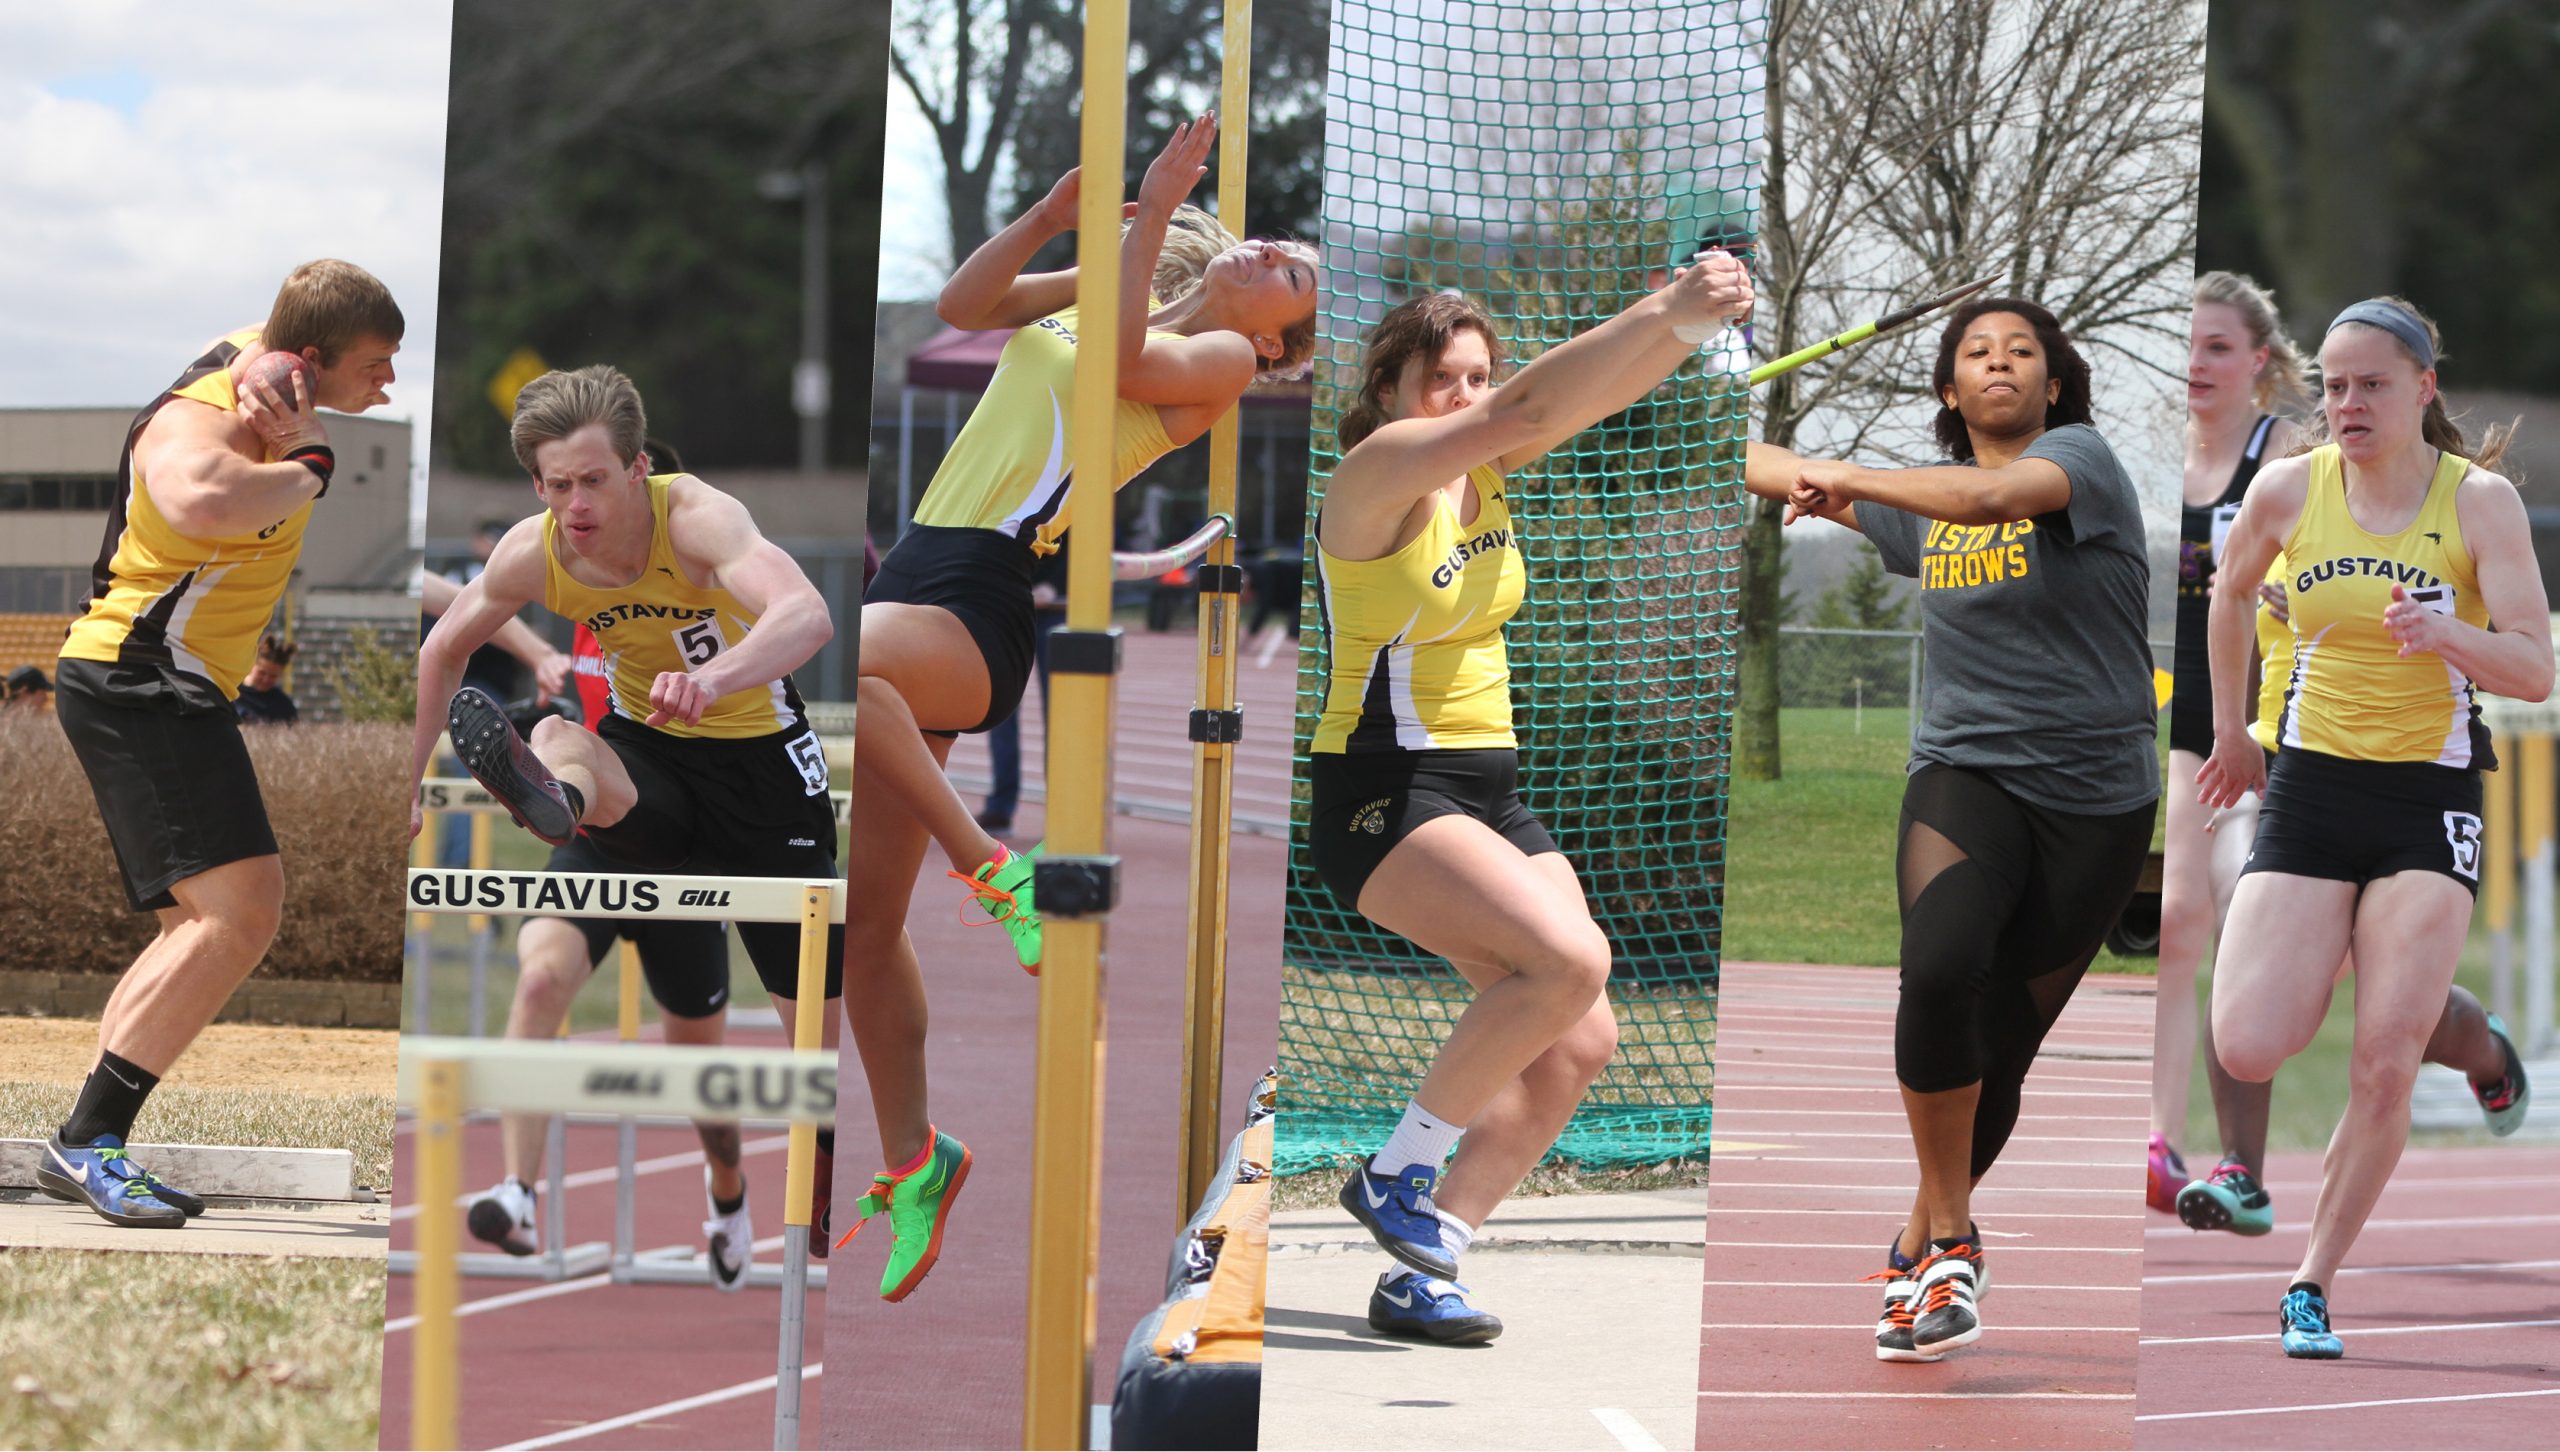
(1863, 332)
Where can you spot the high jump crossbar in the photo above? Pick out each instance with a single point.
(440, 1078)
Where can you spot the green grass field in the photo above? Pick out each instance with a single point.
(1809, 857)
(219, 1350)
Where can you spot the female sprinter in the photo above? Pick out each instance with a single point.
(1414, 820)
(2241, 369)
(2412, 585)
(2034, 772)
(947, 625)
(2236, 323)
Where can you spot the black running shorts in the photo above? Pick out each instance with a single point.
(2357, 821)
(1364, 803)
(686, 963)
(756, 807)
(983, 578)
(171, 775)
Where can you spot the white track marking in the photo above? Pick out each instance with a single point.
(2347, 1406)
(2352, 1333)
(763, 1383)
(2453, 1267)
(1629, 1432)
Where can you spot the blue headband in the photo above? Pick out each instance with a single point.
(2394, 319)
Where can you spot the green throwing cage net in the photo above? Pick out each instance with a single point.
(1551, 160)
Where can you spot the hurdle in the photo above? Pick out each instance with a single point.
(441, 1077)
(2520, 869)
(1077, 886)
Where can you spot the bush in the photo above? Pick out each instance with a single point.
(335, 793)
(373, 682)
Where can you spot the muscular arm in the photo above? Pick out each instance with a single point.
(1955, 493)
(550, 666)
(1771, 473)
(990, 291)
(2513, 657)
(2267, 515)
(1566, 389)
(201, 467)
(717, 542)
(477, 612)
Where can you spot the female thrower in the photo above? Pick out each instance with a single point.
(2241, 365)
(1415, 821)
(947, 639)
(2412, 586)
(2034, 772)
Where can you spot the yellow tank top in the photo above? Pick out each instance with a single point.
(1416, 636)
(1008, 470)
(2349, 692)
(2275, 655)
(664, 622)
(157, 597)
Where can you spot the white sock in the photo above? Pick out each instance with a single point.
(1419, 1140)
(1455, 1234)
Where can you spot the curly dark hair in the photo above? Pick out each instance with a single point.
(2062, 362)
(1419, 328)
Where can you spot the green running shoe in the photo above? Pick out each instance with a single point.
(1004, 890)
(2501, 1104)
(919, 1204)
(2228, 1199)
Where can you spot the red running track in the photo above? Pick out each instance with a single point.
(586, 1363)
(2449, 1306)
(1811, 1174)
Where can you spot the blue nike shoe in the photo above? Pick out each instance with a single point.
(1397, 1210)
(100, 1176)
(1405, 1303)
(2305, 1318)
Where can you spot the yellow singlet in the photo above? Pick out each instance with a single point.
(664, 622)
(1008, 470)
(1416, 636)
(157, 597)
(2275, 649)
(2349, 692)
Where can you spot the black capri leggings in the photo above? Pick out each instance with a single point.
(2004, 904)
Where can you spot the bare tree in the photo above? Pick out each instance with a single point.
(1911, 148)
(954, 56)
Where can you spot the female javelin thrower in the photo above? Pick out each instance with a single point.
(2241, 365)
(2412, 586)
(1414, 819)
(2034, 772)
(947, 625)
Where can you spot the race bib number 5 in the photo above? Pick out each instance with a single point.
(811, 757)
(699, 642)
(2462, 830)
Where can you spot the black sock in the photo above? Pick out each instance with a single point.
(576, 799)
(730, 1207)
(826, 1141)
(1950, 1242)
(110, 1101)
(2312, 1286)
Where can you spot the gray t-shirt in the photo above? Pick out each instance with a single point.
(2037, 669)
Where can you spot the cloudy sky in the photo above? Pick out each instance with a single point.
(164, 164)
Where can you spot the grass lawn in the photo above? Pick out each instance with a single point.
(222, 1350)
(1809, 857)
(178, 1114)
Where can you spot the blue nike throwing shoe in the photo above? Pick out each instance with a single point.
(99, 1176)
(2305, 1318)
(1397, 1210)
(1406, 1303)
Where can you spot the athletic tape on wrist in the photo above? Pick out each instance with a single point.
(320, 459)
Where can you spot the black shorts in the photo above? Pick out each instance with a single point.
(982, 577)
(686, 963)
(2356, 821)
(172, 778)
(756, 807)
(1364, 803)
